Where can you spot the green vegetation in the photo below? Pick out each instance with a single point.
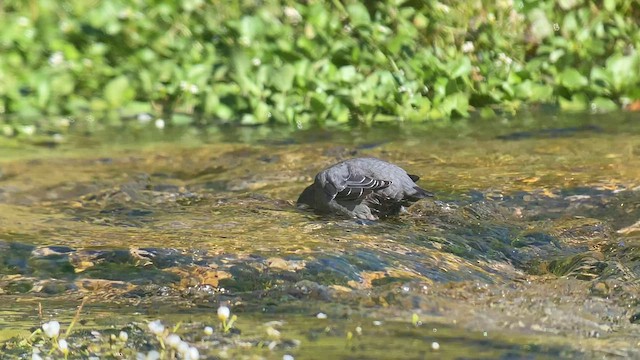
(319, 62)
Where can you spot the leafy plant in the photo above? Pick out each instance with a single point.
(257, 62)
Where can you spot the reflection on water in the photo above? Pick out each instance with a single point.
(531, 237)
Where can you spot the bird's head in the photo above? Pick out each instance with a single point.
(307, 198)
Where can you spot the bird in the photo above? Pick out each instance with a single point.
(362, 188)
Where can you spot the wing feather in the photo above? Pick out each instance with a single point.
(359, 186)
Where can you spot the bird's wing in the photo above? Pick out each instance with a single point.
(357, 186)
(415, 178)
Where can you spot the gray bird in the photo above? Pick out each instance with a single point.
(363, 188)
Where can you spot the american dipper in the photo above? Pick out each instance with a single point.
(363, 188)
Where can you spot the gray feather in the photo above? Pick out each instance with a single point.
(365, 188)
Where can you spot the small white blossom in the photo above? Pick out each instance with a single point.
(123, 336)
(208, 330)
(468, 47)
(173, 340)
(502, 57)
(51, 329)
(194, 354)
(63, 346)
(153, 355)
(256, 61)
(223, 313)
(35, 356)
(156, 327)
(183, 348)
(321, 315)
(159, 123)
(287, 357)
(435, 346)
(193, 88)
(292, 14)
(56, 59)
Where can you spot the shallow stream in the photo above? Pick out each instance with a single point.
(531, 248)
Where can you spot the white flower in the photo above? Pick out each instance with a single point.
(156, 327)
(193, 88)
(194, 354)
(153, 355)
(292, 14)
(123, 336)
(287, 357)
(502, 57)
(183, 348)
(223, 313)
(56, 59)
(208, 330)
(159, 123)
(468, 47)
(173, 340)
(144, 118)
(63, 346)
(51, 329)
(321, 315)
(435, 346)
(36, 356)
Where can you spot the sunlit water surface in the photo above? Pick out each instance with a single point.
(530, 250)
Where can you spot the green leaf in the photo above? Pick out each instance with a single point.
(358, 14)
(572, 79)
(44, 92)
(223, 112)
(282, 78)
(461, 67)
(458, 102)
(610, 5)
(347, 73)
(601, 104)
(181, 119)
(578, 102)
(63, 84)
(118, 91)
(623, 70)
(261, 113)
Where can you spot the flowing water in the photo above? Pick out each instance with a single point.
(531, 248)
